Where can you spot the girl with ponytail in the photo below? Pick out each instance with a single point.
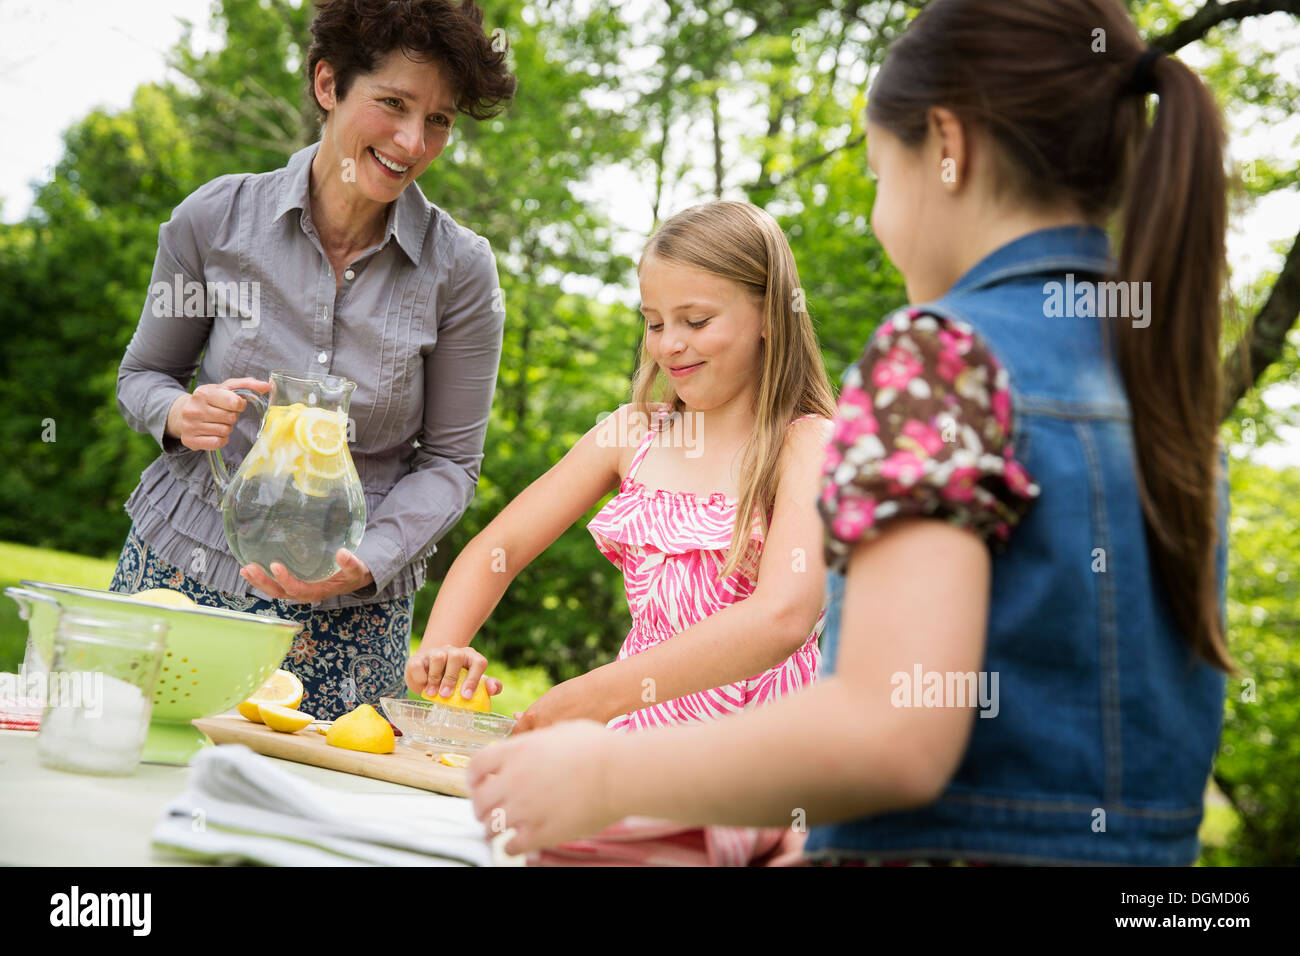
(1024, 651)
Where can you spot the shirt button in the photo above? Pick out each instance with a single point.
(323, 357)
(349, 274)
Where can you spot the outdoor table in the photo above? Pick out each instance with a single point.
(55, 818)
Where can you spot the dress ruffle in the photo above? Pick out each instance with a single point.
(671, 547)
(671, 522)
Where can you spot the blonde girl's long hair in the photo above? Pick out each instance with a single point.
(740, 242)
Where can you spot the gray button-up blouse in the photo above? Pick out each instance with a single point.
(241, 286)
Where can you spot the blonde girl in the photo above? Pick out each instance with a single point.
(714, 525)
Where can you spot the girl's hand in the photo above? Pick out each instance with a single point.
(574, 699)
(433, 671)
(351, 575)
(548, 787)
(204, 419)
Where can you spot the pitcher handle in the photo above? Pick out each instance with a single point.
(218, 465)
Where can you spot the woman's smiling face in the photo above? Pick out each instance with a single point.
(702, 330)
(391, 124)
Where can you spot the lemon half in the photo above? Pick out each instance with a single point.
(284, 719)
(481, 701)
(283, 689)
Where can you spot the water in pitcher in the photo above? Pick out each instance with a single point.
(296, 498)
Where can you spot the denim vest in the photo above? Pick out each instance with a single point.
(1106, 725)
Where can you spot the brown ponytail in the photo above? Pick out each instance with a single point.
(1051, 83)
(1173, 224)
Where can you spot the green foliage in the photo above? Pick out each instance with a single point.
(1258, 767)
(72, 283)
(73, 278)
(248, 98)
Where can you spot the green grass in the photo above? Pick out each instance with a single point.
(19, 562)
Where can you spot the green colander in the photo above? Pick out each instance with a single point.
(214, 659)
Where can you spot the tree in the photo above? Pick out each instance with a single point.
(1258, 766)
(72, 280)
(807, 65)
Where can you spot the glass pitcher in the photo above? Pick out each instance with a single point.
(296, 497)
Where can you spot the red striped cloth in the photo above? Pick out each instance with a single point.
(19, 713)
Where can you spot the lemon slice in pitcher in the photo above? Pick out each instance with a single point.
(319, 432)
(280, 422)
(316, 474)
(276, 449)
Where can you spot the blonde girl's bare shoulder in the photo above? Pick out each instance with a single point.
(807, 439)
(816, 428)
(637, 419)
(623, 430)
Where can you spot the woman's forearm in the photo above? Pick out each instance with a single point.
(733, 644)
(830, 752)
(147, 398)
(172, 427)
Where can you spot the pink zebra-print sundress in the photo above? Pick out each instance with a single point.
(670, 546)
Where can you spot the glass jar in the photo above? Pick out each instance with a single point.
(99, 691)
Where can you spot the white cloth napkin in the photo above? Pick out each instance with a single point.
(241, 807)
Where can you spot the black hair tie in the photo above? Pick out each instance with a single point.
(1142, 82)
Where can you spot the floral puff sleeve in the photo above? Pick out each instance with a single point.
(923, 428)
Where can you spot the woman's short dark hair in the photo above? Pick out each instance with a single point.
(354, 35)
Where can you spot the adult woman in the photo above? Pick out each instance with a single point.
(343, 267)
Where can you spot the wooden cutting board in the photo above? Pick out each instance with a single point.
(407, 764)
